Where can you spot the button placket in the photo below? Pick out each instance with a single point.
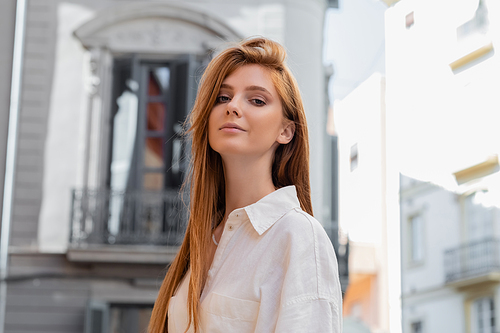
(226, 236)
(231, 226)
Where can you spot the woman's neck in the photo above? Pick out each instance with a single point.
(247, 181)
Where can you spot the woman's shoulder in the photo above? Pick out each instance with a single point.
(299, 226)
(297, 219)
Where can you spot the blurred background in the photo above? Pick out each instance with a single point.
(402, 100)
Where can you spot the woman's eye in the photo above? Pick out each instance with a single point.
(222, 99)
(258, 102)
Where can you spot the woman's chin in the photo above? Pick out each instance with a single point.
(231, 151)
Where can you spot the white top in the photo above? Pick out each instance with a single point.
(274, 270)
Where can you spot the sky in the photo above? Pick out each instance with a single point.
(354, 35)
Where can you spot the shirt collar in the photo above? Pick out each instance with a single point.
(265, 212)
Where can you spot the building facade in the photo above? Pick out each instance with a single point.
(100, 158)
(450, 255)
(363, 203)
(442, 82)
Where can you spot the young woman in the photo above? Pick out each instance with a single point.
(253, 258)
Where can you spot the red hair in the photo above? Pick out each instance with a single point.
(206, 178)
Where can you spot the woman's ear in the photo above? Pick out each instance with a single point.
(287, 133)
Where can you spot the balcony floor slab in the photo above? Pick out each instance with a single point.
(123, 254)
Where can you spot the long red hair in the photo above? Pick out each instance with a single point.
(206, 178)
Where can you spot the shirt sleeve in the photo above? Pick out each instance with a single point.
(311, 297)
(313, 315)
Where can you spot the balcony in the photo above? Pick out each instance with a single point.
(118, 226)
(473, 263)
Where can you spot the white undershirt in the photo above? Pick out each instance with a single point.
(274, 270)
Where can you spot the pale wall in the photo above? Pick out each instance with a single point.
(440, 212)
(440, 311)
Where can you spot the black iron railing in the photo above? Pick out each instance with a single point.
(120, 217)
(472, 260)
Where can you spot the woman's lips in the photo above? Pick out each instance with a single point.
(231, 128)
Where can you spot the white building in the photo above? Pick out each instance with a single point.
(450, 254)
(363, 197)
(442, 71)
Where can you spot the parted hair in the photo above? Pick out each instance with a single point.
(205, 180)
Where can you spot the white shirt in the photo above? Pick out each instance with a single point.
(274, 270)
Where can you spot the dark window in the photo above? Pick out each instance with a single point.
(416, 327)
(103, 317)
(150, 106)
(148, 153)
(96, 318)
(129, 318)
(354, 157)
(410, 20)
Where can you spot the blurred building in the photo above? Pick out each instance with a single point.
(360, 308)
(451, 253)
(99, 160)
(360, 122)
(442, 73)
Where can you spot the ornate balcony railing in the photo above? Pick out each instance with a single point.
(117, 217)
(472, 260)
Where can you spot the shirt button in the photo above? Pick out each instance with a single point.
(237, 215)
(230, 227)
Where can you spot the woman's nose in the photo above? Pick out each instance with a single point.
(233, 107)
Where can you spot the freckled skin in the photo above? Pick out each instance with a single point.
(249, 100)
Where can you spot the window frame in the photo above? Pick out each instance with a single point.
(416, 261)
(473, 314)
(408, 237)
(139, 71)
(465, 234)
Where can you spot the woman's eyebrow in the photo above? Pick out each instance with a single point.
(249, 88)
(226, 86)
(258, 88)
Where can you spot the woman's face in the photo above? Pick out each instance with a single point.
(247, 118)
